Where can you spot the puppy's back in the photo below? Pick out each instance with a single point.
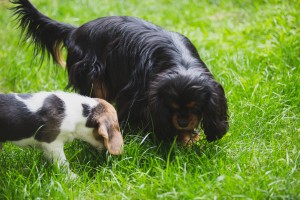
(16, 120)
(36, 115)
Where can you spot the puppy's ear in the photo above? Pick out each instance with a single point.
(215, 117)
(112, 137)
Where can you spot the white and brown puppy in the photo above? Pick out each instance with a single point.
(47, 120)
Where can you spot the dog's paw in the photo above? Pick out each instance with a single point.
(188, 138)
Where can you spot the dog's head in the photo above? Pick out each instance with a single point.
(183, 99)
(104, 119)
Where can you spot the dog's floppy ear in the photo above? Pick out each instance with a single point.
(215, 117)
(112, 137)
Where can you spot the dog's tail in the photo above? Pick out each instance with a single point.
(48, 36)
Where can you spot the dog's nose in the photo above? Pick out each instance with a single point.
(183, 122)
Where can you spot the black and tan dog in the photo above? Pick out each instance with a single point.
(155, 77)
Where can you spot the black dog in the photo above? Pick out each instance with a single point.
(155, 77)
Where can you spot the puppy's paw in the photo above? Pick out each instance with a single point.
(71, 175)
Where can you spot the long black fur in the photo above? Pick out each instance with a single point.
(141, 67)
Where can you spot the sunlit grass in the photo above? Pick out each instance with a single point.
(251, 47)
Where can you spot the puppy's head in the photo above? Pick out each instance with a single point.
(187, 98)
(104, 119)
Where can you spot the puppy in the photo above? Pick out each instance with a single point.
(47, 120)
(155, 77)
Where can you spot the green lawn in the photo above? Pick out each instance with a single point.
(252, 48)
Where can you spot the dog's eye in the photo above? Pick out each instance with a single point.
(172, 109)
(172, 106)
(175, 106)
(196, 110)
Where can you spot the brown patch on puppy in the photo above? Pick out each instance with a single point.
(104, 116)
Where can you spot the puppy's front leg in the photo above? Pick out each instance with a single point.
(54, 152)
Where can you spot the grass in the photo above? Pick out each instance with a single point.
(252, 48)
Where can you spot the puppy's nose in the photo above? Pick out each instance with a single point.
(183, 122)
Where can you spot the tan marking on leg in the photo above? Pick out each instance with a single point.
(99, 90)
